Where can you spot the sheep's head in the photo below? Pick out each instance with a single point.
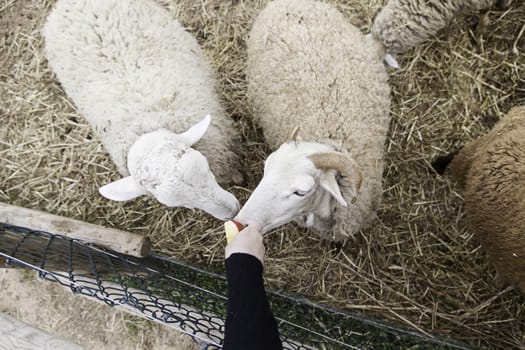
(163, 164)
(299, 183)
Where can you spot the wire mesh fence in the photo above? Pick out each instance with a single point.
(190, 299)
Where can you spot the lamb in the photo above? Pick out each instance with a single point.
(491, 172)
(308, 66)
(143, 83)
(403, 24)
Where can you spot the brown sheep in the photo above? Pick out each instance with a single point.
(491, 172)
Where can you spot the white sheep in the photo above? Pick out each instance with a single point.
(309, 67)
(491, 172)
(141, 81)
(403, 24)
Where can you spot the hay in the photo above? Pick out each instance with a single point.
(419, 265)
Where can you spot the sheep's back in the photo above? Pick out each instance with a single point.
(309, 67)
(495, 196)
(127, 57)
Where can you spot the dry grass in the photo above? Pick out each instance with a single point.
(419, 265)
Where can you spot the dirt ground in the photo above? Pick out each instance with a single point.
(419, 265)
(84, 321)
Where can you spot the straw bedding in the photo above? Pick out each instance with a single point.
(419, 265)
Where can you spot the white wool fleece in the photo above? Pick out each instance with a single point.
(403, 24)
(309, 67)
(130, 69)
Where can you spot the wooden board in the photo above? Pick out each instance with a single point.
(15, 334)
(120, 241)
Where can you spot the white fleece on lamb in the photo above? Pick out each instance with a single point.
(309, 67)
(131, 68)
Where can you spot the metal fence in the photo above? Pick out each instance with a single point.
(190, 299)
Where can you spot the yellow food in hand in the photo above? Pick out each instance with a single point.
(232, 228)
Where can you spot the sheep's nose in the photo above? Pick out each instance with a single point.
(232, 208)
(233, 213)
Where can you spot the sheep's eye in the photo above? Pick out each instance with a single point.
(300, 193)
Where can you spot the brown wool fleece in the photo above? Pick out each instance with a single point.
(491, 172)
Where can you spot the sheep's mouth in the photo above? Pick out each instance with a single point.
(276, 223)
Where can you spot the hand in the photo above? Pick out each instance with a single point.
(249, 241)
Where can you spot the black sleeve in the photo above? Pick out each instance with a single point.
(250, 323)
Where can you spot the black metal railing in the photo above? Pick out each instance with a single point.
(193, 300)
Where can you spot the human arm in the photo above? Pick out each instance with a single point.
(249, 323)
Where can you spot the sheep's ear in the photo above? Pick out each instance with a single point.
(391, 61)
(328, 181)
(122, 190)
(195, 133)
